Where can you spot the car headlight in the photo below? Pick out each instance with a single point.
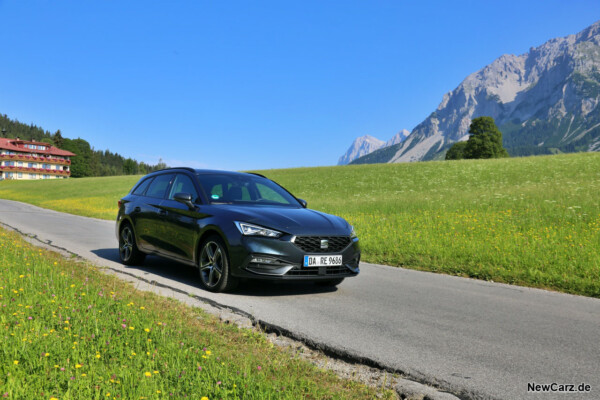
(255, 230)
(353, 233)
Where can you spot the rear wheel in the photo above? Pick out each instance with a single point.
(329, 282)
(214, 268)
(128, 250)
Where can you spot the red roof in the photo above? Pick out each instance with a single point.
(19, 145)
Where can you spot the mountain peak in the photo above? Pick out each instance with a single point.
(367, 144)
(360, 146)
(543, 101)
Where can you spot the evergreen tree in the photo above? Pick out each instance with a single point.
(130, 167)
(58, 139)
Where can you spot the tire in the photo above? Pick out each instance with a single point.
(213, 266)
(128, 250)
(330, 282)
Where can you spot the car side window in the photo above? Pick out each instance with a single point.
(141, 188)
(158, 187)
(183, 184)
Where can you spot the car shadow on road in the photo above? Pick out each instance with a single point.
(154, 265)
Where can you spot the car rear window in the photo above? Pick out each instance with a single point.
(141, 188)
(158, 187)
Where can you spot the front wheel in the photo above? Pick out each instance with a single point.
(128, 250)
(213, 265)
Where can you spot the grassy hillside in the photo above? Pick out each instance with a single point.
(530, 221)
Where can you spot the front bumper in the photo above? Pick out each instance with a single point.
(282, 259)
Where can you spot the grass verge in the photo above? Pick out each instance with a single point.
(70, 332)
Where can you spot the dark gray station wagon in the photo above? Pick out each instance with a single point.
(232, 226)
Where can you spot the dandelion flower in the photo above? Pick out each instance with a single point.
(15, 362)
(148, 374)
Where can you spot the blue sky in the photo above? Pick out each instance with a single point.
(253, 85)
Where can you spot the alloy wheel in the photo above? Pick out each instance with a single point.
(127, 242)
(211, 264)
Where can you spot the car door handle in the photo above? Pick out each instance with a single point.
(137, 209)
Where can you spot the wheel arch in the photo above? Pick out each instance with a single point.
(209, 231)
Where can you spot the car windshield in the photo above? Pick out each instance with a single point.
(244, 189)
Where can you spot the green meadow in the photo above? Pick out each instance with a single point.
(531, 221)
(71, 332)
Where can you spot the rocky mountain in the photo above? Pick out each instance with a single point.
(367, 144)
(361, 146)
(398, 138)
(544, 101)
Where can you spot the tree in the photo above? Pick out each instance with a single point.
(58, 139)
(47, 140)
(457, 151)
(81, 164)
(130, 167)
(485, 140)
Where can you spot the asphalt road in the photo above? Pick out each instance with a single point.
(473, 338)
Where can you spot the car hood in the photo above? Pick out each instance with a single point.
(295, 221)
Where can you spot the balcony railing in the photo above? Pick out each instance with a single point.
(23, 157)
(12, 168)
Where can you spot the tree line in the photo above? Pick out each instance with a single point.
(88, 162)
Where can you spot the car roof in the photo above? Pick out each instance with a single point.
(208, 171)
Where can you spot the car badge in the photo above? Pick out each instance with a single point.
(324, 244)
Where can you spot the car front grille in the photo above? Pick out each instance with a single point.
(312, 244)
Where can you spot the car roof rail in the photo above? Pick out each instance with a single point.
(254, 173)
(170, 168)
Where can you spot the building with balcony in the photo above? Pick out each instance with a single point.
(26, 159)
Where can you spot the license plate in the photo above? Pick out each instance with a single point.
(322, 261)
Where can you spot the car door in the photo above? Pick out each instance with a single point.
(149, 220)
(180, 223)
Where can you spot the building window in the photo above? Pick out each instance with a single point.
(33, 176)
(20, 175)
(20, 163)
(30, 165)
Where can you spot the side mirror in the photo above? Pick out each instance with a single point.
(303, 203)
(184, 198)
